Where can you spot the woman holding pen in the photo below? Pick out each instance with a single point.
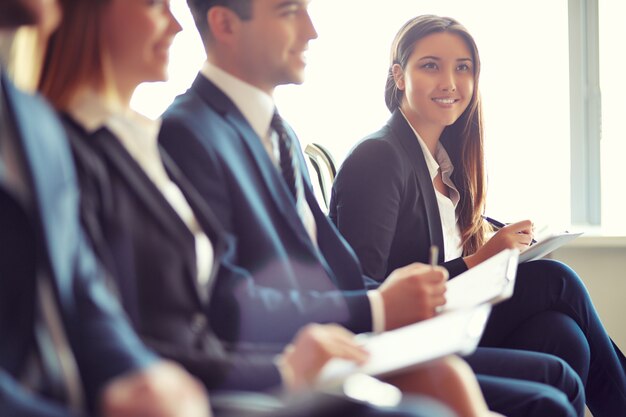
(420, 181)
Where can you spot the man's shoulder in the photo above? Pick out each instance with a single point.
(378, 146)
(192, 129)
(191, 109)
(186, 105)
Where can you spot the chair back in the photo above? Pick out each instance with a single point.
(323, 168)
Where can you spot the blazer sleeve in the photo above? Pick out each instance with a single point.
(455, 267)
(250, 307)
(15, 401)
(221, 369)
(365, 202)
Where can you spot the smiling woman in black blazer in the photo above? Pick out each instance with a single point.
(420, 181)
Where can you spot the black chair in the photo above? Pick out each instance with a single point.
(323, 164)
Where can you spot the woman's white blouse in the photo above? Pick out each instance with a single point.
(447, 206)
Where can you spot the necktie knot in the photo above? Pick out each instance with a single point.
(277, 124)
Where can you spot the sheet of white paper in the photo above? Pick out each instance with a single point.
(488, 282)
(453, 332)
(547, 245)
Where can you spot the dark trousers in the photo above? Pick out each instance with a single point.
(551, 312)
(517, 383)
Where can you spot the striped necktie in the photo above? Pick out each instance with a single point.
(288, 163)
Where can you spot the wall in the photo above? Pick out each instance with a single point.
(601, 263)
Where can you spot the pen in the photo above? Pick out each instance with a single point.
(434, 255)
(500, 225)
(494, 222)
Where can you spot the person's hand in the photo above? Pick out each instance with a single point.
(161, 390)
(312, 348)
(512, 236)
(413, 293)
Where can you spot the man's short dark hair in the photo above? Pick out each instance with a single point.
(200, 8)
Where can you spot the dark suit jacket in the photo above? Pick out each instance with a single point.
(384, 203)
(48, 235)
(291, 282)
(150, 253)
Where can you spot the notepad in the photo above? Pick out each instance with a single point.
(491, 281)
(544, 246)
(456, 332)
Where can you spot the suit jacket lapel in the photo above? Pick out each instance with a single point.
(271, 177)
(150, 195)
(403, 133)
(206, 218)
(42, 141)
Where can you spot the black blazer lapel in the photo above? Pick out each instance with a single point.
(144, 187)
(156, 203)
(271, 178)
(206, 218)
(403, 133)
(149, 194)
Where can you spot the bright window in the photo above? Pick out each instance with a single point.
(613, 145)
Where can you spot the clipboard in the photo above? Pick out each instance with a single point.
(491, 281)
(547, 245)
(456, 332)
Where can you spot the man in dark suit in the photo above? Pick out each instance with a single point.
(226, 136)
(223, 135)
(65, 347)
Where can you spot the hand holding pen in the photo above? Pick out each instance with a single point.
(509, 236)
(499, 225)
(413, 293)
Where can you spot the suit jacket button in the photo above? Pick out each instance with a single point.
(198, 323)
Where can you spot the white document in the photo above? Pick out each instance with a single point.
(395, 350)
(547, 245)
(491, 281)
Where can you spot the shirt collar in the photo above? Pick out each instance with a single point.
(93, 112)
(441, 160)
(255, 105)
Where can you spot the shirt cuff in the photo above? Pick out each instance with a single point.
(378, 311)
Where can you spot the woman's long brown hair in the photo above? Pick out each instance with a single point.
(463, 140)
